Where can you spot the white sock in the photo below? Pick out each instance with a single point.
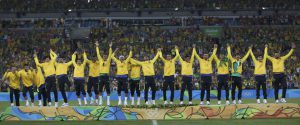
(79, 101)
(85, 101)
(40, 102)
(119, 98)
(126, 99)
(108, 100)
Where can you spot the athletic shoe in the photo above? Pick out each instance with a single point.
(64, 105)
(100, 102)
(234, 102)
(181, 103)
(171, 103)
(138, 101)
(12, 104)
(120, 102)
(207, 103)
(125, 103)
(190, 102)
(40, 103)
(56, 104)
(166, 103)
(108, 103)
(219, 102)
(147, 103)
(227, 102)
(153, 102)
(277, 101)
(32, 104)
(240, 102)
(258, 101)
(283, 100)
(265, 101)
(27, 103)
(92, 101)
(49, 104)
(201, 103)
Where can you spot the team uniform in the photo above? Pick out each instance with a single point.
(122, 76)
(148, 71)
(49, 72)
(104, 75)
(62, 78)
(169, 78)
(14, 86)
(27, 80)
(39, 81)
(187, 76)
(206, 75)
(260, 75)
(236, 75)
(279, 75)
(135, 76)
(93, 82)
(223, 77)
(79, 78)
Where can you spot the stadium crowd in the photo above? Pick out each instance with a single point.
(48, 5)
(17, 47)
(274, 19)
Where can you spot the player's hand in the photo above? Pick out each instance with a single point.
(97, 43)
(194, 45)
(176, 47)
(215, 45)
(266, 45)
(293, 45)
(110, 44)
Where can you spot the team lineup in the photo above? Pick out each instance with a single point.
(53, 71)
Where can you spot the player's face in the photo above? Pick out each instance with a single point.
(47, 59)
(238, 57)
(259, 58)
(105, 57)
(79, 62)
(205, 56)
(146, 58)
(122, 58)
(169, 57)
(187, 59)
(277, 55)
(27, 68)
(221, 56)
(60, 60)
(94, 59)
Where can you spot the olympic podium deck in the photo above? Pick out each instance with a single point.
(247, 111)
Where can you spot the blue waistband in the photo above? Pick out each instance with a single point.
(121, 76)
(205, 74)
(58, 76)
(50, 76)
(78, 78)
(190, 76)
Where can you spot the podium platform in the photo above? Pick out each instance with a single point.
(247, 111)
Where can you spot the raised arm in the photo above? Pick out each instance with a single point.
(161, 57)
(265, 54)
(196, 55)
(246, 56)
(53, 56)
(84, 58)
(69, 63)
(129, 57)
(290, 53)
(229, 52)
(252, 55)
(109, 54)
(136, 61)
(156, 57)
(214, 52)
(74, 58)
(36, 60)
(193, 56)
(177, 53)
